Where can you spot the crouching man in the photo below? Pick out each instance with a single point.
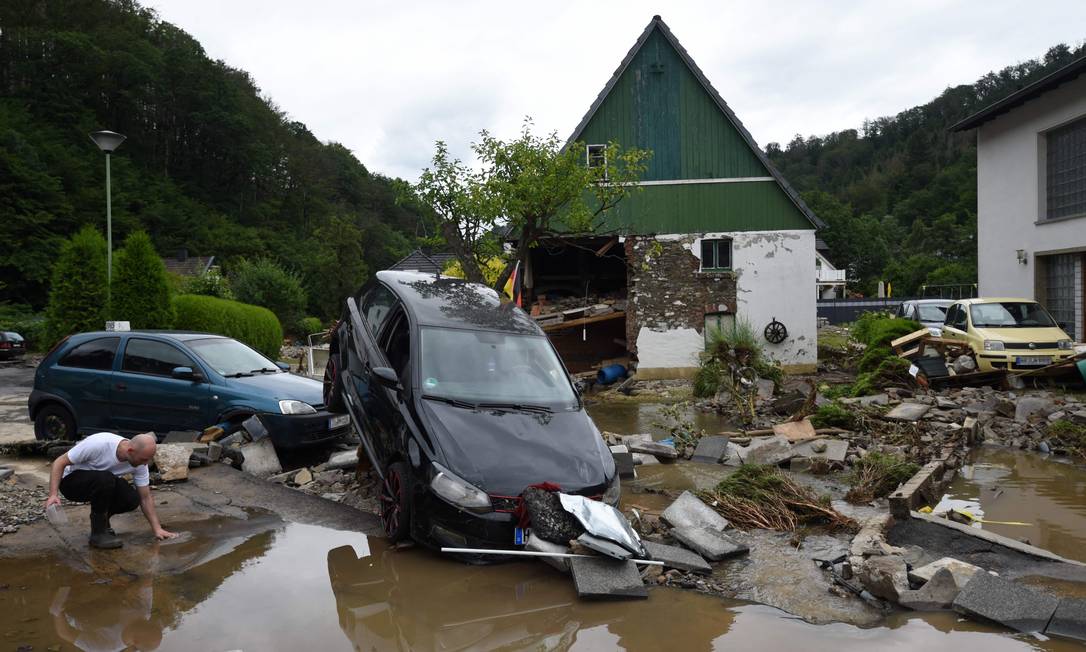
(90, 472)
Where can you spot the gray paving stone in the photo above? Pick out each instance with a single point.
(713, 546)
(938, 593)
(767, 450)
(689, 511)
(604, 578)
(662, 452)
(1005, 602)
(676, 557)
(711, 450)
(1069, 619)
(826, 449)
(908, 412)
(962, 571)
(624, 462)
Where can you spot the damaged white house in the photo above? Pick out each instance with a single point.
(715, 234)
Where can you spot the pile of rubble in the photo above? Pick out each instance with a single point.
(338, 480)
(552, 311)
(19, 504)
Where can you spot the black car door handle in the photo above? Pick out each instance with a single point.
(121, 386)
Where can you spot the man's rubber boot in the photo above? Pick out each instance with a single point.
(100, 536)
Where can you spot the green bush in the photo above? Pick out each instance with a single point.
(310, 325)
(141, 289)
(263, 282)
(707, 379)
(78, 297)
(892, 370)
(833, 415)
(253, 325)
(872, 357)
(876, 475)
(879, 329)
(211, 283)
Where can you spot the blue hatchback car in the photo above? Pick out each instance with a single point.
(140, 381)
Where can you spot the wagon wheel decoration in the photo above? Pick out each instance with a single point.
(775, 332)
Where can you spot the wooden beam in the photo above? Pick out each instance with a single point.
(581, 322)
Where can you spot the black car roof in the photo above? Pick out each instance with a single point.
(456, 303)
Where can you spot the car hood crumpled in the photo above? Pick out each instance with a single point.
(503, 452)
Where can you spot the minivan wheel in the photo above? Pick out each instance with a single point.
(54, 422)
(396, 502)
(333, 385)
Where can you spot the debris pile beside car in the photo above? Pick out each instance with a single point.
(558, 312)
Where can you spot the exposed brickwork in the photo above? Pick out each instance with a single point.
(666, 288)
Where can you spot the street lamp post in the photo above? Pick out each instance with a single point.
(107, 141)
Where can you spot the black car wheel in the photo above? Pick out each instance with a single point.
(54, 422)
(333, 384)
(395, 503)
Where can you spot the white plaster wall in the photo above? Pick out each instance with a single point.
(669, 349)
(1009, 192)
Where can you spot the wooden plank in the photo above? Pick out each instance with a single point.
(581, 322)
(905, 340)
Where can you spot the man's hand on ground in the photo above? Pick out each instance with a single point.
(52, 500)
(162, 534)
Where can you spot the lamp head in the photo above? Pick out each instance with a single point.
(107, 141)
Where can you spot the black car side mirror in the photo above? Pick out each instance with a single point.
(186, 373)
(387, 377)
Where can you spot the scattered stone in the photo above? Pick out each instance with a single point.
(877, 399)
(795, 431)
(885, 577)
(172, 462)
(767, 450)
(538, 544)
(303, 477)
(6, 473)
(908, 411)
(826, 449)
(960, 570)
(938, 593)
(711, 545)
(689, 511)
(628, 439)
(604, 578)
(644, 459)
(765, 389)
(711, 450)
(662, 452)
(1028, 406)
(1069, 619)
(260, 458)
(1002, 601)
(945, 403)
(679, 558)
(214, 451)
(550, 521)
(334, 497)
(624, 462)
(344, 460)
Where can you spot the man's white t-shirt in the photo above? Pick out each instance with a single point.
(98, 452)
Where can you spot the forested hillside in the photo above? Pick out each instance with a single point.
(899, 194)
(209, 165)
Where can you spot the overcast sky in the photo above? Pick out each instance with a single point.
(389, 78)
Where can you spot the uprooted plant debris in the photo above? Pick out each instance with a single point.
(876, 475)
(758, 496)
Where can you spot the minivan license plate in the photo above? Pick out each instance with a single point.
(1033, 360)
(338, 421)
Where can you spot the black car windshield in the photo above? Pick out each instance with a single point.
(492, 368)
(229, 357)
(929, 312)
(1010, 314)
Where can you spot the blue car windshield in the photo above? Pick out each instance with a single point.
(229, 357)
(490, 367)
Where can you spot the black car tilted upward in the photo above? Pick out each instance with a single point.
(461, 403)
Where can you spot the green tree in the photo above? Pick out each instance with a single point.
(336, 267)
(77, 301)
(141, 289)
(263, 282)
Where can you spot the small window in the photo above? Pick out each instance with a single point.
(716, 254)
(154, 358)
(95, 354)
(375, 308)
(1065, 171)
(397, 344)
(597, 156)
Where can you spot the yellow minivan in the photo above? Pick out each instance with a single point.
(1007, 333)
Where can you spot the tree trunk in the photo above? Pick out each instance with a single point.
(462, 253)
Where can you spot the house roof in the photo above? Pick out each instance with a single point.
(418, 261)
(189, 265)
(658, 23)
(1050, 81)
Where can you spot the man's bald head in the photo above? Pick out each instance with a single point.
(142, 449)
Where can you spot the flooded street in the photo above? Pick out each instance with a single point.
(291, 586)
(1045, 493)
(630, 418)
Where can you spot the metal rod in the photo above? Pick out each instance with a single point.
(532, 553)
(109, 239)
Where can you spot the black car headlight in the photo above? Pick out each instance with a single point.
(458, 492)
(614, 491)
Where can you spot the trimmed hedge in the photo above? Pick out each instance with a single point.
(258, 327)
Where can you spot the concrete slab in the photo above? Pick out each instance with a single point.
(689, 511)
(1007, 603)
(662, 452)
(908, 412)
(825, 449)
(795, 431)
(604, 578)
(624, 463)
(885, 576)
(344, 460)
(961, 571)
(678, 558)
(711, 545)
(260, 458)
(644, 459)
(172, 462)
(1069, 620)
(711, 450)
(937, 594)
(767, 450)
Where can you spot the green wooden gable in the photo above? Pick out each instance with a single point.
(706, 173)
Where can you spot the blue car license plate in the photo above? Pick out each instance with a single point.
(1033, 360)
(338, 421)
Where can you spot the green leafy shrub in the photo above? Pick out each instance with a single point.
(876, 475)
(833, 415)
(211, 283)
(309, 325)
(892, 370)
(253, 325)
(262, 282)
(879, 328)
(78, 298)
(872, 357)
(707, 379)
(141, 289)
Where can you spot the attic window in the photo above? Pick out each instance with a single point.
(597, 156)
(716, 255)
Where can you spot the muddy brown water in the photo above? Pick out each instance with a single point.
(290, 586)
(1048, 494)
(633, 418)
